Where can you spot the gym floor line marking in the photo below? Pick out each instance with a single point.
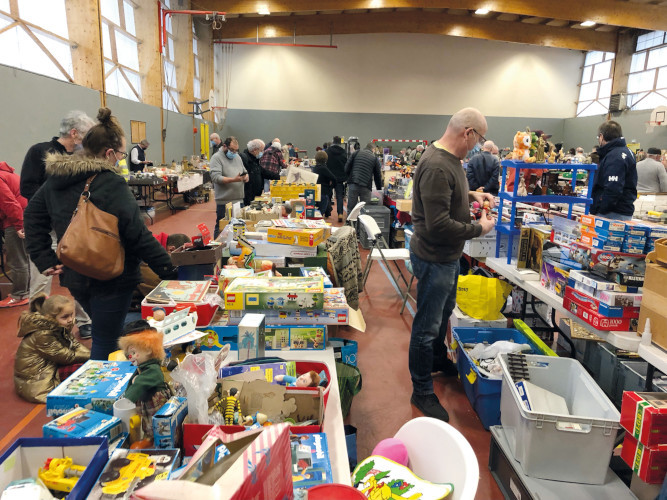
(21, 425)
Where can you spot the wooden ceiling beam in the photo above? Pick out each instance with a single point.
(413, 22)
(613, 12)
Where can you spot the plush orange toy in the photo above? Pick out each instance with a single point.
(522, 142)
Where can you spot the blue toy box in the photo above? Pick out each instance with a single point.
(96, 385)
(168, 421)
(83, 423)
(310, 460)
(308, 272)
(268, 370)
(484, 393)
(345, 350)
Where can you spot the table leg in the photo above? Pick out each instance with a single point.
(649, 378)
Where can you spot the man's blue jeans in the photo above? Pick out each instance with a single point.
(436, 298)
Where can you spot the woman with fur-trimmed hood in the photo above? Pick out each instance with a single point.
(106, 302)
(48, 351)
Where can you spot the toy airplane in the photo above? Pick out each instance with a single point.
(178, 327)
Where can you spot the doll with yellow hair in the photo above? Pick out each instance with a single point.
(142, 345)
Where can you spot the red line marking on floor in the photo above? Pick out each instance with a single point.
(21, 425)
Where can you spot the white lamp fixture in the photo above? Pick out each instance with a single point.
(482, 12)
(263, 10)
(588, 23)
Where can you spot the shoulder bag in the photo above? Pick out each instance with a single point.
(91, 245)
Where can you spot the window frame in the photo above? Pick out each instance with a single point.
(123, 69)
(637, 69)
(588, 71)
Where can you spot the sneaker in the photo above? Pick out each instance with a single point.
(11, 302)
(85, 331)
(446, 367)
(430, 406)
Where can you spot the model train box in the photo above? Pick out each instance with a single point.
(83, 423)
(644, 415)
(648, 462)
(602, 223)
(130, 470)
(96, 385)
(308, 272)
(620, 299)
(275, 293)
(298, 237)
(167, 423)
(623, 268)
(310, 460)
(600, 284)
(596, 320)
(604, 309)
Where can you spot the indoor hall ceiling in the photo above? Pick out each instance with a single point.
(538, 22)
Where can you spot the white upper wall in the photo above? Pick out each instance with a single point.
(405, 73)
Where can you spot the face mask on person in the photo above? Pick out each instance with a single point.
(78, 147)
(230, 154)
(276, 145)
(212, 144)
(261, 153)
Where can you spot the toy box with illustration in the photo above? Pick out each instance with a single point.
(167, 423)
(96, 385)
(554, 276)
(275, 293)
(130, 470)
(83, 423)
(267, 250)
(250, 343)
(648, 462)
(619, 299)
(623, 268)
(600, 284)
(308, 272)
(266, 371)
(229, 275)
(602, 223)
(644, 415)
(205, 308)
(604, 309)
(310, 460)
(564, 231)
(298, 237)
(596, 320)
(295, 337)
(531, 246)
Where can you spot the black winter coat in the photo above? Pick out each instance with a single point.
(483, 170)
(325, 178)
(362, 168)
(33, 172)
(52, 207)
(255, 185)
(336, 159)
(615, 188)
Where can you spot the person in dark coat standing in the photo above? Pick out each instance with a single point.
(615, 188)
(361, 169)
(250, 157)
(483, 171)
(325, 179)
(51, 208)
(336, 159)
(272, 163)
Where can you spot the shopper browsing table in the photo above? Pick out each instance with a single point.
(228, 176)
(441, 218)
(483, 170)
(138, 156)
(615, 189)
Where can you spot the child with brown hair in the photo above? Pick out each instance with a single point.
(48, 352)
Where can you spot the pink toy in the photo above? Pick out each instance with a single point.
(393, 449)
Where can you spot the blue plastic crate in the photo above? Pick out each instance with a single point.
(484, 393)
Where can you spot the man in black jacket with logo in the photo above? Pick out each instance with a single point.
(362, 167)
(615, 188)
(336, 159)
(483, 170)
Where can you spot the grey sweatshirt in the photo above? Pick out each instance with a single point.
(221, 166)
(651, 176)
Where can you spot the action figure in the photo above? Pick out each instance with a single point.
(309, 379)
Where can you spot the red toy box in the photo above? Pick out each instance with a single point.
(600, 307)
(644, 415)
(649, 463)
(205, 300)
(598, 321)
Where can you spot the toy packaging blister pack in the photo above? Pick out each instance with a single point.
(310, 460)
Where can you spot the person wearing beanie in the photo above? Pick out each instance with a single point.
(325, 179)
(651, 175)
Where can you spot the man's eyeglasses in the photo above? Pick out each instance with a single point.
(122, 154)
(482, 138)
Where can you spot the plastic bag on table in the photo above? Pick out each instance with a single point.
(198, 376)
(481, 298)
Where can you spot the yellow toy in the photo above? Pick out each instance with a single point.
(522, 142)
(247, 256)
(60, 474)
(121, 473)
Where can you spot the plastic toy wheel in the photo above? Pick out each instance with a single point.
(109, 476)
(119, 463)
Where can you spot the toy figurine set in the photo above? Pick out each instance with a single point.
(275, 293)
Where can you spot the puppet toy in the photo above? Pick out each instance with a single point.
(147, 389)
(309, 379)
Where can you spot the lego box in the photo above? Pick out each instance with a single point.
(275, 293)
(644, 415)
(295, 337)
(298, 237)
(167, 423)
(83, 423)
(96, 385)
(308, 272)
(596, 320)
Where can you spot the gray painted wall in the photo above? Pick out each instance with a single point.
(310, 129)
(583, 131)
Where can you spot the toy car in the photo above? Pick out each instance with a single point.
(122, 472)
(60, 474)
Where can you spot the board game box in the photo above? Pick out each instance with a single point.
(83, 422)
(604, 309)
(96, 385)
(308, 272)
(596, 320)
(275, 293)
(310, 460)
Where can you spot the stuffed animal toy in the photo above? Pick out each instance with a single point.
(522, 143)
(147, 389)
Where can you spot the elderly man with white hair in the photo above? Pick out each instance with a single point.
(216, 142)
(250, 157)
(483, 170)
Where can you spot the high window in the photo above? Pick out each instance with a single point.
(647, 81)
(595, 88)
(169, 91)
(120, 47)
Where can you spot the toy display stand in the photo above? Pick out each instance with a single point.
(513, 483)
(509, 228)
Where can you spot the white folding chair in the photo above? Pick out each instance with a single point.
(380, 251)
(354, 214)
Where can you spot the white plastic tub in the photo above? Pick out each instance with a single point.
(574, 448)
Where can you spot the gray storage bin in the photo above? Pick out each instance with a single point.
(632, 377)
(574, 448)
(609, 364)
(592, 358)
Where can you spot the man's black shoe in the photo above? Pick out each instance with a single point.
(430, 406)
(447, 367)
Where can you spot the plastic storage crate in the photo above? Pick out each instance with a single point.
(382, 216)
(484, 393)
(574, 448)
(632, 377)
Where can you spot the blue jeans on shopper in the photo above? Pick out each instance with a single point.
(436, 298)
(107, 310)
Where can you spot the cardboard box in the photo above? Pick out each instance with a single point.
(263, 371)
(275, 293)
(596, 320)
(26, 456)
(96, 385)
(644, 416)
(229, 275)
(654, 303)
(121, 479)
(620, 299)
(460, 319)
(404, 205)
(649, 463)
(284, 337)
(167, 422)
(524, 244)
(84, 423)
(554, 276)
(251, 337)
(298, 237)
(308, 272)
(539, 238)
(600, 284)
(607, 224)
(192, 256)
(265, 249)
(604, 309)
(310, 460)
